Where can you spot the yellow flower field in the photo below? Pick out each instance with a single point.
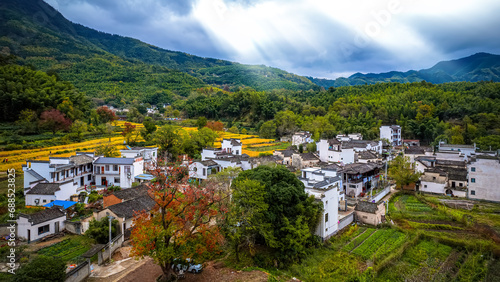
(16, 158)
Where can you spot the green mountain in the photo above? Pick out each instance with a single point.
(478, 67)
(117, 68)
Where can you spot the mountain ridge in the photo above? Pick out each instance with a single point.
(42, 37)
(476, 67)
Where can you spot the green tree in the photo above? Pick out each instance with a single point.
(268, 129)
(246, 218)
(201, 122)
(42, 268)
(234, 129)
(99, 230)
(403, 172)
(311, 147)
(107, 150)
(291, 214)
(78, 128)
(28, 121)
(149, 129)
(170, 139)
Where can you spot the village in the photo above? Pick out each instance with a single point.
(347, 174)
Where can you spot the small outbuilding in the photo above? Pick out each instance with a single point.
(370, 213)
(35, 226)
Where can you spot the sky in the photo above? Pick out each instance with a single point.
(319, 38)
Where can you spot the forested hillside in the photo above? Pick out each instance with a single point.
(460, 112)
(102, 64)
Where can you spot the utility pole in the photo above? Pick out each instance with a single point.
(110, 218)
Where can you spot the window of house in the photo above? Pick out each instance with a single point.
(425, 186)
(107, 167)
(204, 171)
(44, 201)
(115, 167)
(89, 177)
(154, 154)
(117, 179)
(473, 180)
(460, 184)
(472, 192)
(433, 178)
(127, 169)
(195, 169)
(364, 216)
(472, 169)
(326, 217)
(43, 229)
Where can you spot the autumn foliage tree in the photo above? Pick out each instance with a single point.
(105, 114)
(183, 222)
(128, 133)
(54, 121)
(215, 125)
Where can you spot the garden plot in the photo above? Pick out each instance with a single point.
(68, 250)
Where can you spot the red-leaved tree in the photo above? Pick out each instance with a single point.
(183, 223)
(105, 114)
(54, 121)
(215, 125)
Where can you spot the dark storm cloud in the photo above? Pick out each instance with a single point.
(308, 37)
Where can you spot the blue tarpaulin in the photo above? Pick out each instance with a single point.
(64, 204)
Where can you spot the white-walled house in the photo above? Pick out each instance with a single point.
(202, 169)
(35, 226)
(302, 137)
(326, 186)
(70, 173)
(484, 178)
(232, 146)
(332, 150)
(44, 193)
(391, 133)
(148, 154)
(117, 171)
(229, 148)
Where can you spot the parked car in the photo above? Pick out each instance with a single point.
(186, 265)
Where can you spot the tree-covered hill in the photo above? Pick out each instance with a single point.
(478, 67)
(97, 62)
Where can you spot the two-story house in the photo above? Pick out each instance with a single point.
(391, 133)
(326, 186)
(69, 174)
(117, 171)
(484, 177)
(148, 154)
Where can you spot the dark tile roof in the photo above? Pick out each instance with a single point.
(415, 150)
(366, 207)
(327, 181)
(117, 161)
(359, 168)
(132, 193)
(333, 141)
(367, 155)
(127, 209)
(43, 216)
(208, 163)
(81, 159)
(287, 153)
(328, 166)
(233, 142)
(35, 174)
(44, 189)
(309, 157)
